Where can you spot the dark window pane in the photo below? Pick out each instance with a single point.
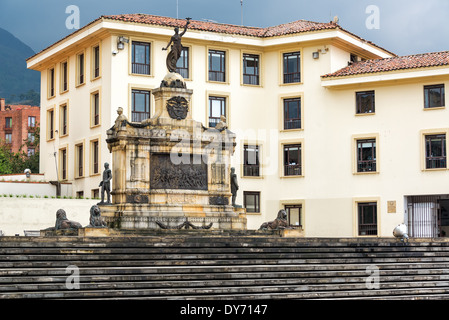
(140, 105)
(365, 102)
(292, 67)
(81, 68)
(366, 155)
(251, 201)
(292, 160)
(96, 61)
(250, 69)
(367, 218)
(251, 166)
(140, 57)
(217, 108)
(217, 66)
(294, 214)
(434, 96)
(292, 113)
(435, 151)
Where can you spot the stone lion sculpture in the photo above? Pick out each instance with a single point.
(63, 223)
(279, 223)
(95, 220)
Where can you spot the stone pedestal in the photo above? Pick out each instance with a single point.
(170, 170)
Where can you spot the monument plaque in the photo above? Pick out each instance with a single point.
(167, 175)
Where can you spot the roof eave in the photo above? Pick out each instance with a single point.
(386, 76)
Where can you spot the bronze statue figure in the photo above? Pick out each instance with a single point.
(62, 223)
(279, 223)
(176, 48)
(105, 184)
(234, 186)
(95, 220)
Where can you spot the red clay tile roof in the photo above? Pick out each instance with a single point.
(424, 60)
(283, 29)
(298, 26)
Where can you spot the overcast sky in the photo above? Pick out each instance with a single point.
(401, 26)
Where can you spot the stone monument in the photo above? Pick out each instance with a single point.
(169, 170)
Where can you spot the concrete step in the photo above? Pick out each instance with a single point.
(296, 291)
(222, 267)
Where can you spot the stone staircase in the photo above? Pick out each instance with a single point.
(222, 266)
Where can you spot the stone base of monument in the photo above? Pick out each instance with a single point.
(173, 217)
(291, 233)
(170, 171)
(125, 232)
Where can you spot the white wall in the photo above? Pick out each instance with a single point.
(19, 214)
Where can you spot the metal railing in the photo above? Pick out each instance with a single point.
(251, 170)
(292, 124)
(139, 116)
(216, 76)
(435, 162)
(292, 77)
(292, 170)
(140, 68)
(366, 166)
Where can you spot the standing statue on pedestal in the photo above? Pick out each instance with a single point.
(176, 48)
(234, 186)
(106, 184)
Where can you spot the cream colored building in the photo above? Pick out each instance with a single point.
(340, 132)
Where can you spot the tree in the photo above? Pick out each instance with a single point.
(11, 162)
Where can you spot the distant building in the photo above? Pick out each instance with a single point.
(16, 126)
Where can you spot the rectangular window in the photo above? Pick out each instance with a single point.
(217, 65)
(95, 193)
(95, 109)
(292, 67)
(63, 163)
(8, 123)
(294, 213)
(365, 102)
(217, 108)
(96, 61)
(79, 160)
(64, 77)
(251, 201)
(292, 113)
(50, 124)
(95, 157)
(140, 57)
(366, 155)
(31, 122)
(434, 96)
(80, 194)
(292, 160)
(251, 165)
(80, 69)
(367, 218)
(30, 151)
(140, 102)
(251, 69)
(64, 120)
(31, 137)
(182, 66)
(435, 151)
(51, 82)
(8, 138)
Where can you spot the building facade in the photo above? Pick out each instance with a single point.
(346, 136)
(17, 126)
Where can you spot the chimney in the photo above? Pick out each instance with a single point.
(2, 104)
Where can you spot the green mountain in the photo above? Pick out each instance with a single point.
(18, 84)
